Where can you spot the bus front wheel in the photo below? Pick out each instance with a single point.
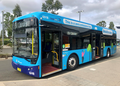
(72, 62)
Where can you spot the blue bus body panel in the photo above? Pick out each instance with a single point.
(105, 50)
(112, 50)
(39, 57)
(87, 55)
(25, 66)
(35, 14)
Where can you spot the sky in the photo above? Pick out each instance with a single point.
(93, 10)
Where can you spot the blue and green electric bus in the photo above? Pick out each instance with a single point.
(44, 43)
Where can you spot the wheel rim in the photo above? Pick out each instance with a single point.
(108, 54)
(72, 62)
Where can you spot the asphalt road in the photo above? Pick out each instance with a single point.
(7, 73)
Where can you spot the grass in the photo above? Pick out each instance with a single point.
(6, 39)
(6, 42)
(5, 55)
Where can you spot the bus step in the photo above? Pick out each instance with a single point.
(48, 69)
(97, 57)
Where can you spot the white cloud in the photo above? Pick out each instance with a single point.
(94, 10)
(67, 11)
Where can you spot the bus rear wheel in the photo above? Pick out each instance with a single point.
(72, 62)
(108, 53)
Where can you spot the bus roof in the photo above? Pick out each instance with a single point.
(67, 21)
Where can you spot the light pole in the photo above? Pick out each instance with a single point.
(2, 28)
(80, 14)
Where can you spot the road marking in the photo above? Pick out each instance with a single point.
(93, 69)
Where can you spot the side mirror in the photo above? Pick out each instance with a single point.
(29, 34)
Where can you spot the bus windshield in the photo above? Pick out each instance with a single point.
(25, 41)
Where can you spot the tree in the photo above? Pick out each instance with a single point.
(17, 11)
(4, 34)
(111, 26)
(102, 24)
(8, 18)
(51, 6)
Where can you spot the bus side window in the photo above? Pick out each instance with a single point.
(86, 41)
(66, 40)
(107, 42)
(79, 43)
(114, 42)
(73, 43)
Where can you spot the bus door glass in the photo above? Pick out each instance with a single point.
(102, 45)
(98, 46)
(93, 46)
(56, 48)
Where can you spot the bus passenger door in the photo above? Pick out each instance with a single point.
(98, 46)
(93, 45)
(51, 52)
(102, 45)
(56, 48)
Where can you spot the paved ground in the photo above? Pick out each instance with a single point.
(6, 50)
(103, 72)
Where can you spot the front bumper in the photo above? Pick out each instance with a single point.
(29, 70)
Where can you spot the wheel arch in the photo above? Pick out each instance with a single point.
(75, 55)
(109, 50)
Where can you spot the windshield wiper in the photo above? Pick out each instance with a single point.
(26, 58)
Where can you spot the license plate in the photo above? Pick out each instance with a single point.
(19, 69)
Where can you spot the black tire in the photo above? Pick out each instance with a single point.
(72, 62)
(108, 53)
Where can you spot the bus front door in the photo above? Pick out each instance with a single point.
(56, 48)
(51, 52)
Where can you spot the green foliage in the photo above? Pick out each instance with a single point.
(4, 34)
(111, 26)
(102, 24)
(6, 42)
(8, 23)
(17, 11)
(0, 42)
(8, 18)
(6, 39)
(9, 44)
(51, 6)
(89, 48)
